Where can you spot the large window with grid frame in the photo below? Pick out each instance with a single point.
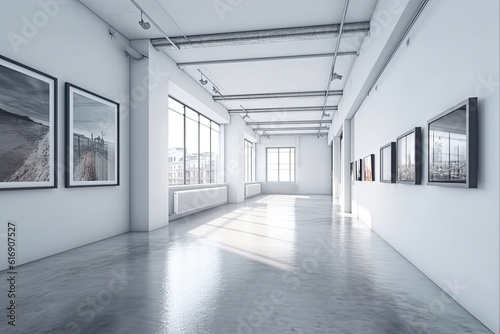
(280, 164)
(193, 142)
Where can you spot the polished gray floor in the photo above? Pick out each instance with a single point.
(275, 264)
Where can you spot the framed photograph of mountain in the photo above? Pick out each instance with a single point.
(28, 127)
(369, 168)
(388, 163)
(453, 146)
(409, 157)
(92, 139)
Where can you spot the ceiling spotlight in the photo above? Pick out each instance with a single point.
(203, 81)
(336, 76)
(143, 24)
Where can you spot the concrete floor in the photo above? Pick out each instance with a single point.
(275, 264)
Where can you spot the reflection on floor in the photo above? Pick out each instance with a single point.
(275, 264)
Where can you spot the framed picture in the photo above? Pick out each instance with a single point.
(453, 146)
(92, 139)
(353, 168)
(359, 170)
(369, 168)
(28, 127)
(388, 163)
(409, 157)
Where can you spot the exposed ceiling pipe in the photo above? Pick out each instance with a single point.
(291, 109)
(154, 23)
(297, 129)
(332, 72)
(260, 59)
(297, 134)
(356, 29)
(288, 122)
(280, 95)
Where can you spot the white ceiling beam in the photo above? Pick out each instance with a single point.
(277, 95)
(357, 29)
(260, 59)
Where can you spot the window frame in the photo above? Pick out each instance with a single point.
(210, 128)
(292, 163)
(249, 152)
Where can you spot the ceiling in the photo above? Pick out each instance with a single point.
(234, 35)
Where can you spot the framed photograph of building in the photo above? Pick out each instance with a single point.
(388, 163)
(453, 146)
(92, 139)
(28, 127)
(359, 170)
(409, 157)
(369, 168)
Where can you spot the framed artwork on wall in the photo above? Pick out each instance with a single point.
(388, 163)
(28, 127)
(409, 157)
(359, 170)
(353, 168)
(92, 139)
(453, 146)
(369, 168)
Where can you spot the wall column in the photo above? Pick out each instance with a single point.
(336, 167)
(346, 167)
(235, 159)
(149, 140)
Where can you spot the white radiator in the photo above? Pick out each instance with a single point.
(279, 188)
(189, 200)
(253, 189)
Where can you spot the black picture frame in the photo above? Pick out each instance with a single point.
(359, 170)
(388, 163)
(353, 168)
(92, 139)
(453, 135)
(369, 168)
(28, 127)
(409, 157)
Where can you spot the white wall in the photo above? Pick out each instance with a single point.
(74, 46)
(313, 162)
(451, 234)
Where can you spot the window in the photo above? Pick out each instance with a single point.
(193, 146)
(249, 162)
(280, 164)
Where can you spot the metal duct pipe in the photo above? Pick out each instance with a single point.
(358, 29)
(292, 109)
(253, 60)
(278, 95)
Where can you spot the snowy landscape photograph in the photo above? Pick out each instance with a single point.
(27, 127)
